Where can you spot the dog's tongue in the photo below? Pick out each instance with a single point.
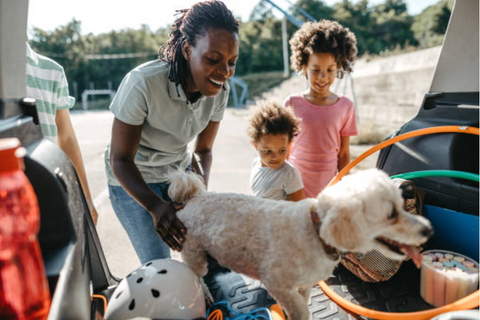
(413, 253)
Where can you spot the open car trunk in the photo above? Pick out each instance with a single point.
(451, 204)
(74, 260)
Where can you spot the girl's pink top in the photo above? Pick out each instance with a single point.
(315, 149)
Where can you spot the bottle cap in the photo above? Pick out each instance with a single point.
(11, 155)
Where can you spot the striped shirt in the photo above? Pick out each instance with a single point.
(47, 84)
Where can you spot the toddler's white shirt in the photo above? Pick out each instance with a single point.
(274, 184)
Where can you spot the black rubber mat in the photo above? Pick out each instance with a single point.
(400, 294)
(243, 293)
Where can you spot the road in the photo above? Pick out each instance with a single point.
(232, 156)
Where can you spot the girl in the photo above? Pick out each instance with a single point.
(159, 108)
(322, 51)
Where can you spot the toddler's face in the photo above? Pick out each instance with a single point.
(272, 149)
(321, 71)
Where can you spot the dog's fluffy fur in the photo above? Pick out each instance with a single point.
(276, 241)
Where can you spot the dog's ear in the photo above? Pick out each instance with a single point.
(339, 228)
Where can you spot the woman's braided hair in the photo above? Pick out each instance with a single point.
(324, 36)
(191, 24)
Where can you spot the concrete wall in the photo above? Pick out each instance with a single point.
(388, 91)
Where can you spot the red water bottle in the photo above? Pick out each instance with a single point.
(24, 290)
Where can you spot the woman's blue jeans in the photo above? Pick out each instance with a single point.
(138, 222)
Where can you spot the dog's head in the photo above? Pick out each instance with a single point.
(364, 211)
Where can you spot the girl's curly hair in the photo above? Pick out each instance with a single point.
(191, 24)
(270, 118)
(324, 36)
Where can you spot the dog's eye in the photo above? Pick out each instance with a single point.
(393, 215)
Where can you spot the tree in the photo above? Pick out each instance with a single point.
(261, 12)
(377, 28)
(79, 55)
(430, 25)
(358, 18)
(316, 8)
(260, 46)
(65, 44)
(393, 25)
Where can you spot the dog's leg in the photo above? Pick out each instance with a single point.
(292, 302)
(305, 292)
(196, 259)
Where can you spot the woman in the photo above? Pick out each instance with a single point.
(159, 108)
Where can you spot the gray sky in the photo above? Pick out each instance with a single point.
(100, 16)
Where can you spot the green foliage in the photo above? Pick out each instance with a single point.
(377, 28)
(105, 59)
(316, 8)
(358, 18)
(86, 59)
(430, 25)
(260, 46)
(393, 25)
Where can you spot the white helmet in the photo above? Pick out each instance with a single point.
(160, 289)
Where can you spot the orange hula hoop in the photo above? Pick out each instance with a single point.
(469, 302)
(411, 134)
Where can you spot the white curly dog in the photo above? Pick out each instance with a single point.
(290, 246)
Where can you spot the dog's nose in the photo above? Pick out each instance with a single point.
(427, 232)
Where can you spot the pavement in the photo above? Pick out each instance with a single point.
(232, 156)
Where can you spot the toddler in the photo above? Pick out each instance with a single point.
(271, 128)
(322, 51)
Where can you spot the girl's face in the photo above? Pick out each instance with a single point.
(211, 61)
(321, 71)
(272, 149)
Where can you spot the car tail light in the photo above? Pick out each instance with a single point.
(24, 292)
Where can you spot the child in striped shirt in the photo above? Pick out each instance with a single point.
(47, 84)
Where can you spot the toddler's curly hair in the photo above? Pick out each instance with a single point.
(270, 118)
(324, 36)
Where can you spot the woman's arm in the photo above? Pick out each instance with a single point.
(123, 147)
(67, 141)
(296, 196)
(344, 154)
(203, 148)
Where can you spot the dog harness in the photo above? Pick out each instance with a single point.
(331, 252)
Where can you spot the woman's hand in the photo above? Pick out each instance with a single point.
(168, 226)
